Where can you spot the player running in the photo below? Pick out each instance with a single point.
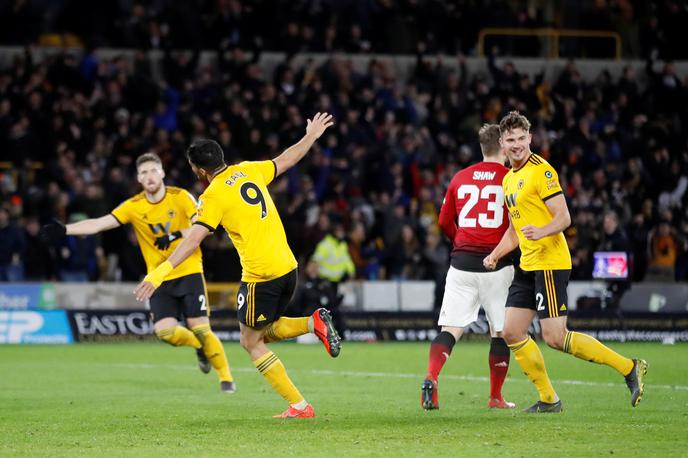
(474, 217)
(539, 214)
(237, 197)
(161, 216)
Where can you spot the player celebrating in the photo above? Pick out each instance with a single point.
(237, 197)
(162, 215)
(475, 196)
(539, 214)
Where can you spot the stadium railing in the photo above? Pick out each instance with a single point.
(553, 36)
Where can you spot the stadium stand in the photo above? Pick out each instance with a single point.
(73, 121)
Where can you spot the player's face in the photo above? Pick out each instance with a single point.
(516, 143)
(150, 175)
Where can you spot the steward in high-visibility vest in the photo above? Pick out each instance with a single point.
(333, 259)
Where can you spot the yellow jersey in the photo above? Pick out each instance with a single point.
(525, 191)
(151, 220)
(238, 199)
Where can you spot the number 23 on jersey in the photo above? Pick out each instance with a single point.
(488, 203)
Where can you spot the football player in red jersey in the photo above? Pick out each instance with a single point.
(474, 217)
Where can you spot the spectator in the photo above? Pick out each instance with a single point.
(131, 266)
(332, 257)
(38, 265)
(80, 258)
(640, 234)
(663, 253)
(435, 257)
(313, 292)
(614, 239)
(12, 245)
(405, 257)
(397, 142)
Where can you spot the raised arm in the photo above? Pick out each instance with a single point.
(292, 155)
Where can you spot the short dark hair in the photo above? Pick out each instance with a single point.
(514, 120)
(488, 135)
(206, 154)
(148, 157)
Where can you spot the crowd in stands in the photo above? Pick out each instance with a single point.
(352, 26)
(72, 127)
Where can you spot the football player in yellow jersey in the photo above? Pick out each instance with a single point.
(237, 197)
(161, 216)
(538, 215)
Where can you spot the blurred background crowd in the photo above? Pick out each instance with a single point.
(368, 194)
(352, 26)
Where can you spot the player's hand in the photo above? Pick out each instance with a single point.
(490, 262)
(164, 241)
(531, 232)
(319, 124)
(53, 233)
(150, 283)
(144, 290)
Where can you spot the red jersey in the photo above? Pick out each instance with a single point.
(473, 214)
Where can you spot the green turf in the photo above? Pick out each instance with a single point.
(148, 399)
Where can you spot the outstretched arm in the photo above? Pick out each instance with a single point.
(53, 233)
(92, 226)
(292, 155)
(150, 283)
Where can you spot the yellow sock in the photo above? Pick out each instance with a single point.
(214, 351)
(286, 328)
(179, 336)
(529, 357)
(274, 372)
(588, 348)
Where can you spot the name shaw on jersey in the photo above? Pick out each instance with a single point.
(483, 176)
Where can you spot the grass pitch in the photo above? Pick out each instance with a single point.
(148, 399)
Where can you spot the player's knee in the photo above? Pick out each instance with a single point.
(201, 332)
(167, 336)
(554, 338)
(512, 336)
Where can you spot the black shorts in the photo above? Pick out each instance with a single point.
(183, 297)
(541, 290)
(261, 303)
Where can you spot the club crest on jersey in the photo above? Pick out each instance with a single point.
(521, 183)
(170, 214)
(548, 174)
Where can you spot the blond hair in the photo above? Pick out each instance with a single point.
(148, 157)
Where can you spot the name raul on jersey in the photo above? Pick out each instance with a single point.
(235, 176)
(482, 176)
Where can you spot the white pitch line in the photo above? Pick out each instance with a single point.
(325, 372)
